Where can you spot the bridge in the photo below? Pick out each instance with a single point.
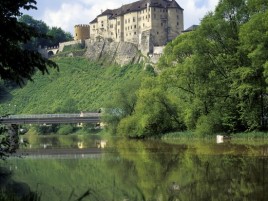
(89, 117)
(48, 52)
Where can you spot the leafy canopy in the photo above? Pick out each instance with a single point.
(16, 63)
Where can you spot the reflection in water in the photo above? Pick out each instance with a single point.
(152, 170)
(12, 190)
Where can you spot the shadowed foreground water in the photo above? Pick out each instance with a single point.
(121, 170)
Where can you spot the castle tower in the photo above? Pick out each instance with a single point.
(81, 32)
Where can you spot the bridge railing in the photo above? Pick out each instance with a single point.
(40, 116)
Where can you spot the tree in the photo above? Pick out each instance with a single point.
(58, 35)
(51, 36)
(122, 105)
(39, 26)
(16, 63)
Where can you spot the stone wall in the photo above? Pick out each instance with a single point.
(146, 42)
(76, 42)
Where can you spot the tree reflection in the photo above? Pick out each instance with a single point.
(12, 190)
(161, 171)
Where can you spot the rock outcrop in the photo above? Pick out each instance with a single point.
(108, 52)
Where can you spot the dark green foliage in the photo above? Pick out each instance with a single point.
(9, 140)
(65, 129)
(47, 129)
(14, 191)
(58, 35)
(50, 36)
(18, 64)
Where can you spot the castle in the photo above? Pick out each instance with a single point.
(145, 23)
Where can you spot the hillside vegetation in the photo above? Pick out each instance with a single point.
(79, 85)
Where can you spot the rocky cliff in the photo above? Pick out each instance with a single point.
(105, 51)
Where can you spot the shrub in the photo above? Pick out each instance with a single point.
(65, 129)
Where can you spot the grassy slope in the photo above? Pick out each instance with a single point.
(88, 84)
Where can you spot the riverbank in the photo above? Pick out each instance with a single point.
(190, 135)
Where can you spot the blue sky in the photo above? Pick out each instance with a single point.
(67, 13)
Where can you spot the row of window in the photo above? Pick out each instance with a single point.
(134, 20)
(135, 33)
(135, 26)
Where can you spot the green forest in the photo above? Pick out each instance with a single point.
(212, 80)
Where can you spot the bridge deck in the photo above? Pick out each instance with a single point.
(51, 118)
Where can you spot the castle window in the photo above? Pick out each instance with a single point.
(161, 24)
(128, 20)
(111, 26)
(154, 9)
(135, 33)
(125, 21)
(118, 23)
(134, 19)
(143, 25)
(177, 17)
(149, 16)
(146, 16)
(131, 27)
(177, 23)
(135, 26)
(154, 16)
(157, 33)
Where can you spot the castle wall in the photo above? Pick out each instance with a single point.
(103, 26)
(160, 25)
(64, 44)
(81, 32)
(112, 27)
(175, 23)
(93, 30)
(131, 27)
(120, 28)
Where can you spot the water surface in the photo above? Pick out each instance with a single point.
(68, 167)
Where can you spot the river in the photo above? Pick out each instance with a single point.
(91, 168)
